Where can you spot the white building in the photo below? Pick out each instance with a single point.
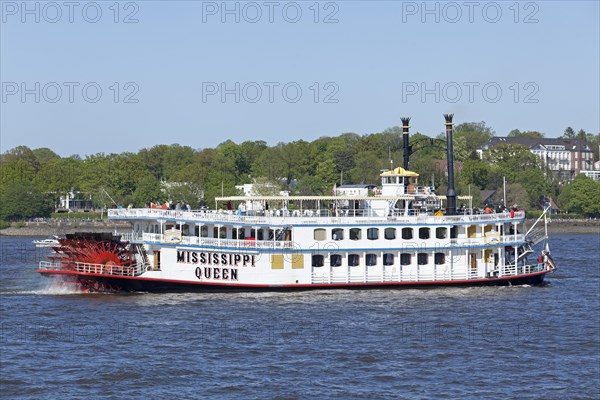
(566, 158)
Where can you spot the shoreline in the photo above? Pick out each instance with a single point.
(63, 227)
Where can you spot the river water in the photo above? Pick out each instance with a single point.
(486, 343)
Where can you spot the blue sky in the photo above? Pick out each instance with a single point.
(187, 72)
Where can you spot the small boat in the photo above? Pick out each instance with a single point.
(49, 242)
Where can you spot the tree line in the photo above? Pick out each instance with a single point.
(32, 180)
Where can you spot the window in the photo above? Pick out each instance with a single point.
(337, 234)
(440, 258)
(320, 234)
(355, 234)
(422, 258)
(424, 233)
(388, 259)
(353, 260)
(317, 260)
(371, 259)
(372, 233)
(204, 231)
(335, 260)
(441, 233)
(405, 259)
(390, 233)
(407, 233)
(454, 232)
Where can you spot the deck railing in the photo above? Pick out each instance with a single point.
(88, 268)
(306, 217)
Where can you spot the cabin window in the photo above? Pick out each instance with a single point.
(353, 260)
(372, 233)
(320, 234)
(405, 259)
(424, 233)
(388, 259)
(234, 233)
(335, 260)
(317, 260)
(355, 234)
(260, 234)
(390, 233)
(440, 258)
(371, 259)
(197, 231)
(204, 231)
(454, 232)
(441, 233)
(422, 258)
(407, 233)
(223, 232)
(337, 234)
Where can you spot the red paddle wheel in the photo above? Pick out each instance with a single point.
(93, 248)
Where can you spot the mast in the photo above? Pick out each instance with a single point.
(451, 193)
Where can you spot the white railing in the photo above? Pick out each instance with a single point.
(512, 270)
(88, 268)
(216, 242)
(324, 216)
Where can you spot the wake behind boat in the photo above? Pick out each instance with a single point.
(397, 235)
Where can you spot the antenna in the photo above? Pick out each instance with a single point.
(111, 199)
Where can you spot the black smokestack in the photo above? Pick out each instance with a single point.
(450, 194)
(405, 144)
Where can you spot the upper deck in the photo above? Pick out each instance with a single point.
(309, 217)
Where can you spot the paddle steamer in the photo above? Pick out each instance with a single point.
(396, 235)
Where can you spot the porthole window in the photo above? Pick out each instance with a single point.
(335, 260)
(388, 259)
(440, 258)
(337, 234)
(371, 259)
(355, 234)
(441, 233)
(373, 233)
(405, 259)
(390, 233)
(320, 234)
(318, 260)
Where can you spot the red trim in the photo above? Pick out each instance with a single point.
(297, 286)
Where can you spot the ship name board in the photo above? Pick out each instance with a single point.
(207, 258)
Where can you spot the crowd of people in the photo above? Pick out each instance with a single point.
(169, 205)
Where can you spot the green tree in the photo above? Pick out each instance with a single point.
(22, 199)
(148, 190)
(475, 172)
(582, 195)
(475, 133)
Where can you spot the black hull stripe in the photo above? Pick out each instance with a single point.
(140, 284)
